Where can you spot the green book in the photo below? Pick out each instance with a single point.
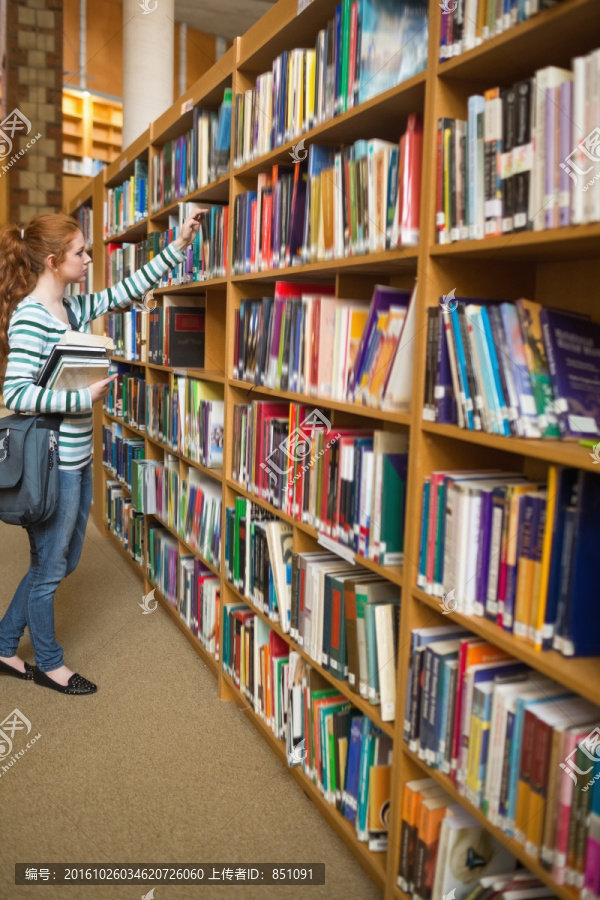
(345, 54)
(393, 489)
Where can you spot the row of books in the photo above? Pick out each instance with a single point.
(518, 746)
(348, 483)
(305, 340)
(122, 260)
(194, 159)
(368, 48)
(85, 219)
(205, 257)
(172, 334)
(364, 198)
(345, 619)
(525, 158)
(126, 398)
(127, 203)
(445, 852)
(119, 452)
(443, 849)
(190, 506)
(520, 553)
(122, 520)
(517, 369)
(86, 285)
(187, 415)
(468, 23)
(199, 600)
(85, 165)
(340, 750)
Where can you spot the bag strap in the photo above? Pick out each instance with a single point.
(71, 317)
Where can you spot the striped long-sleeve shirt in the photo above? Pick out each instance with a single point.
(33, 331)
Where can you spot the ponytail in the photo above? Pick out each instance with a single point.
(23, 253)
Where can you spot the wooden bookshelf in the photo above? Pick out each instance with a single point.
(92, 125)
(559, 268)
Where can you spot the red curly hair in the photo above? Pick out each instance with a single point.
(23, 260)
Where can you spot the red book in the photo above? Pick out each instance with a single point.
(262, 411)
(253, 236)
(325, 523)
(267, 231)
(440, 217)
(411, 188)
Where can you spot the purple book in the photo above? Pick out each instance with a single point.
(276, 229)
(573, 351)
(383, 298)
(483, 555)
(565, 144)
(551, 200)
(445, 404)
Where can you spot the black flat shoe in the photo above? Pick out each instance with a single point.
(77, 684)
(27, 675)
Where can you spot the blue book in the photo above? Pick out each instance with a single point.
(475, 107)
(350, 795)
(223, 144)
(461, 361)
(520, 371)
(383, 297)
(393, 44)
(361, 446)
(366, 760)
(493, 355)
(573, 352)
(582, 631)
(566, 481)
(282, 98)
(392, 194)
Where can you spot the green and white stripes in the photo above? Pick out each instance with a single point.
(33, 331)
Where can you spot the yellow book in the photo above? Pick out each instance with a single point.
(389, 344)
(538, 611)
(382, 323)
(309, 113)
(315, 209)
(300, 67)
(475, 738)
(327, 198)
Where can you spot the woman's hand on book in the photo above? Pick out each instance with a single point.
(99, 389)
(189, 230)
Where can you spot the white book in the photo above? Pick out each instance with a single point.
(386, 660)
(578, 130)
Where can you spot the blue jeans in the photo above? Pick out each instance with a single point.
(55, 548)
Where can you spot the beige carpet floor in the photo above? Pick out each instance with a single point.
(153, 768)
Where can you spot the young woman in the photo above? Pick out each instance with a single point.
(37, 262)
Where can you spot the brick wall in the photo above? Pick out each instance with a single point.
(32, 84)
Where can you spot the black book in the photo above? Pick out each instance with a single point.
(90, 357)
(509, 109)
(522, 154)
(185, 336)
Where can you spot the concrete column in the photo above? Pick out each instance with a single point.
(148, 49)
